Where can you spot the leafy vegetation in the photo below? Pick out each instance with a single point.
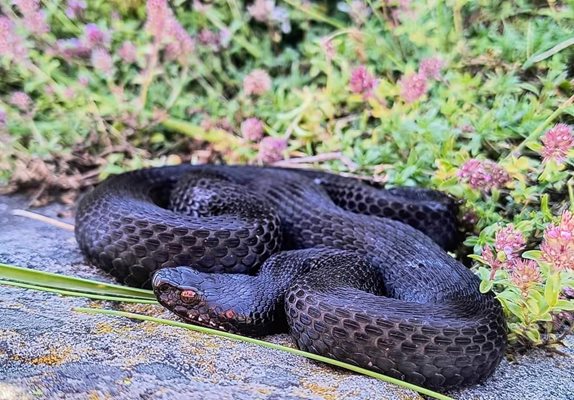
(472, 97)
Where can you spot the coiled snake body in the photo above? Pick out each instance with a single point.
(336, 260)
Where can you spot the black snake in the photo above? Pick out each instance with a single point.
(336, 260)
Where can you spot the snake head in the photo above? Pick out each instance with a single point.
(195, 296)
(178, 289)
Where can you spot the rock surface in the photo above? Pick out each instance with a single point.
(49, 351)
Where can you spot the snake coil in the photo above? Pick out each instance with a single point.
(355, 272)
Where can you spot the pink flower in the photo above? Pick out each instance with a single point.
(362, 81)
(267, 11)
(261, 10)
(102, 61)
(69, 93)
(11, 44)
(181, 45)
(209, 38)
(272, 149)
(162, 24)
(72, 48)
(525, 274)
(413, 87)
(510, 241)
(558, 244)
(159, 16)
(557, 142)
(33, 18)
(491, 260)
(27, 6)
(215, 40)
(328, 47)
(84, 81)
(467, 128)
(94, 36)
(128, 52)
(224, 38)
(483, 174)
(252, 129)
(359, 12)
(3, 118)
(431, 67)
(257, 82)
(20, 100)
(75, 9)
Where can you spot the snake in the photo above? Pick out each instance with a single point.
(352, 270)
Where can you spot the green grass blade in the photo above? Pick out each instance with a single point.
(268, 345)
(69, 283)
(548, 53)
(77, 294)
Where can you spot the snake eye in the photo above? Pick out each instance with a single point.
(188, 295)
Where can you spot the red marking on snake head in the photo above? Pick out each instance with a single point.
(187, 295)
(229, 314)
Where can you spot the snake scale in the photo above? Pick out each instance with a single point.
(354, 271)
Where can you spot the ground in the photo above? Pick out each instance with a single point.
(49, 351)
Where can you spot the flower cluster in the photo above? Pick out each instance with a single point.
(525, 274)
(558, 244)
(266, 11)
(272, 149)
(128, 52)
(557, 142)
(11, 44)
(75, 9)
(21, 101)
(362, 81)
(414, 85)
(95, 37)
(252, 129)
(102, 60)
(257, 82)
(431, 67)
(359, 12)
(164, 27)
(510, 241)
(215, 40)
(3, 119)
(483, 174)
(33, 18)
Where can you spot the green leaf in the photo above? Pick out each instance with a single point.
(552, 289)
(532, 255)
(516, 310)
(564, 305)
(57, 281)
(78, 294)
(486, 286)
(549, 53)
(534, 146)
(534, 335)
(545, 207)
(538, 305)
